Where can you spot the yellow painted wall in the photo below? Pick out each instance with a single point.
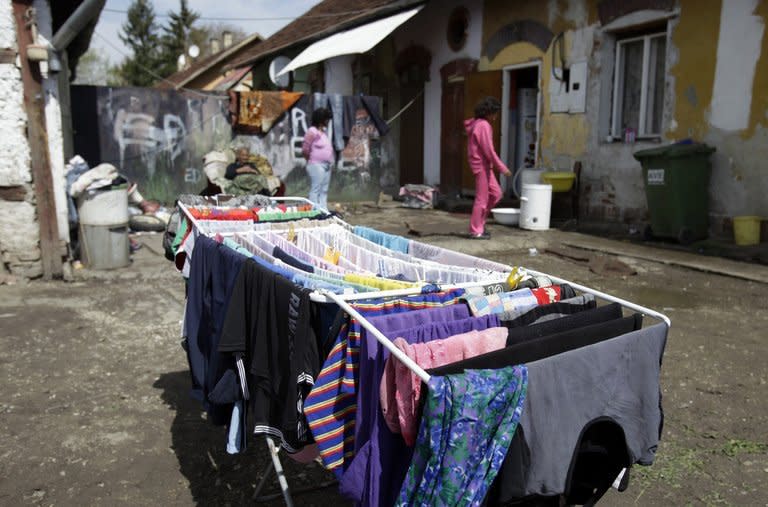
(561, 134)
(759, 113)
(739, 174)
(695, 38)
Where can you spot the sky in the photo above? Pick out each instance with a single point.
(108, 29)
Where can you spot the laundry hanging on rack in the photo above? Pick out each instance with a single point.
(261, 267)
(405, 387)
(467, 428)
(381, 457)
(316, 379)
(331, 405)
(514, 301)
(267, 312)
(552, 348)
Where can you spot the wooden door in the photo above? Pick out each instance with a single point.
(452, 137)
(412, 136)
(477, 86)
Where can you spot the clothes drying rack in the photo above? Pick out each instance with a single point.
(344, 302)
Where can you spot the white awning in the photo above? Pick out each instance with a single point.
(356, 40)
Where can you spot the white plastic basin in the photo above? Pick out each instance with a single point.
(506, 216)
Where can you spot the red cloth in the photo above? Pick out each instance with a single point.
(221, 214)
(407, 386)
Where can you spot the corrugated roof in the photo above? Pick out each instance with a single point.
(323, 19)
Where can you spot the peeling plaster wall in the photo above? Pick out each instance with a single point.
(723, 101)
(738, 51)
(19, 232)
(716, 91)
(428, 29)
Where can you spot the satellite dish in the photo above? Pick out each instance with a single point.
(194, 51)
(275, 67)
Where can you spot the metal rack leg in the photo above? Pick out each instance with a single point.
(262, 482)
(273, 450)
(278, 468)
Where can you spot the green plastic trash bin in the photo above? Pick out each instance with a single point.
(677, 189)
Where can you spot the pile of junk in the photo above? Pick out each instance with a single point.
(249, 173)
(103, 207)
(106, 210)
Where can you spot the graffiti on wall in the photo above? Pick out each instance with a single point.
(156, 138)
(360, 167)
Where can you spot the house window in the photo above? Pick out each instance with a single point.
(638, 93)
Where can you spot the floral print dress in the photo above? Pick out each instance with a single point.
(466, 429)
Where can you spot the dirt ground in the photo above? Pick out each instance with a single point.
(95, 407)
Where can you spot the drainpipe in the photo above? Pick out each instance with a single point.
(76, 22)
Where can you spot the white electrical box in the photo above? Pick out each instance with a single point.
(572, 98)
(577, 93)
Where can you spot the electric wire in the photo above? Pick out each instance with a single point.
(263, 18)
(146, 69)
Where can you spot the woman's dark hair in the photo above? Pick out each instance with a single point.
(487, 107)
(320, 116)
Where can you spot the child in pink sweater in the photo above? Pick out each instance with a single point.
(482, 160)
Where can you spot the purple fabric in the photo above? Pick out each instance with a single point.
(381, 458)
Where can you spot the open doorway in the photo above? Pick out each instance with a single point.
(520, 118)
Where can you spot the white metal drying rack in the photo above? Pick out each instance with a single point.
(342, 300)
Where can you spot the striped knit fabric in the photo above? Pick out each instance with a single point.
(330, 406)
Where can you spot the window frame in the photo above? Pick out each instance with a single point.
(618, 81)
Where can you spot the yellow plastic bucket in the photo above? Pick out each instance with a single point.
(746, 230)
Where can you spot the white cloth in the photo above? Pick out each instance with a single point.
(99, 176)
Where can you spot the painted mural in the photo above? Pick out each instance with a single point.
(157, 138)
(362, 169)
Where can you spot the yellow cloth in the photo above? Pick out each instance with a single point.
(332, 255)
(261, 164)
(379, 283)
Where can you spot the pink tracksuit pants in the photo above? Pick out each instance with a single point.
(487, 196)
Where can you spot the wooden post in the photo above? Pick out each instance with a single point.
(42, 179)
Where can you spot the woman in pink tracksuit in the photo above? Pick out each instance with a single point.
(482, 160)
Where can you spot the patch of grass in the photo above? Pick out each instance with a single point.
(672, 467)
(160, 187)
(714, 498)
(736, 446)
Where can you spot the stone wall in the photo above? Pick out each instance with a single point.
(19, 231)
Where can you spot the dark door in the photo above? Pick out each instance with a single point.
(452, 135)
(476, 86)
(412, 134)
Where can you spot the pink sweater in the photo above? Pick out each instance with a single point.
(400, 389)
(480, 150)
(317, 147)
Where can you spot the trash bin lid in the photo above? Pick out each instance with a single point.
(675, 151)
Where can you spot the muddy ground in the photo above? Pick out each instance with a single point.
(95, 407)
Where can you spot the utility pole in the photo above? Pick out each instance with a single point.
(42, 180)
